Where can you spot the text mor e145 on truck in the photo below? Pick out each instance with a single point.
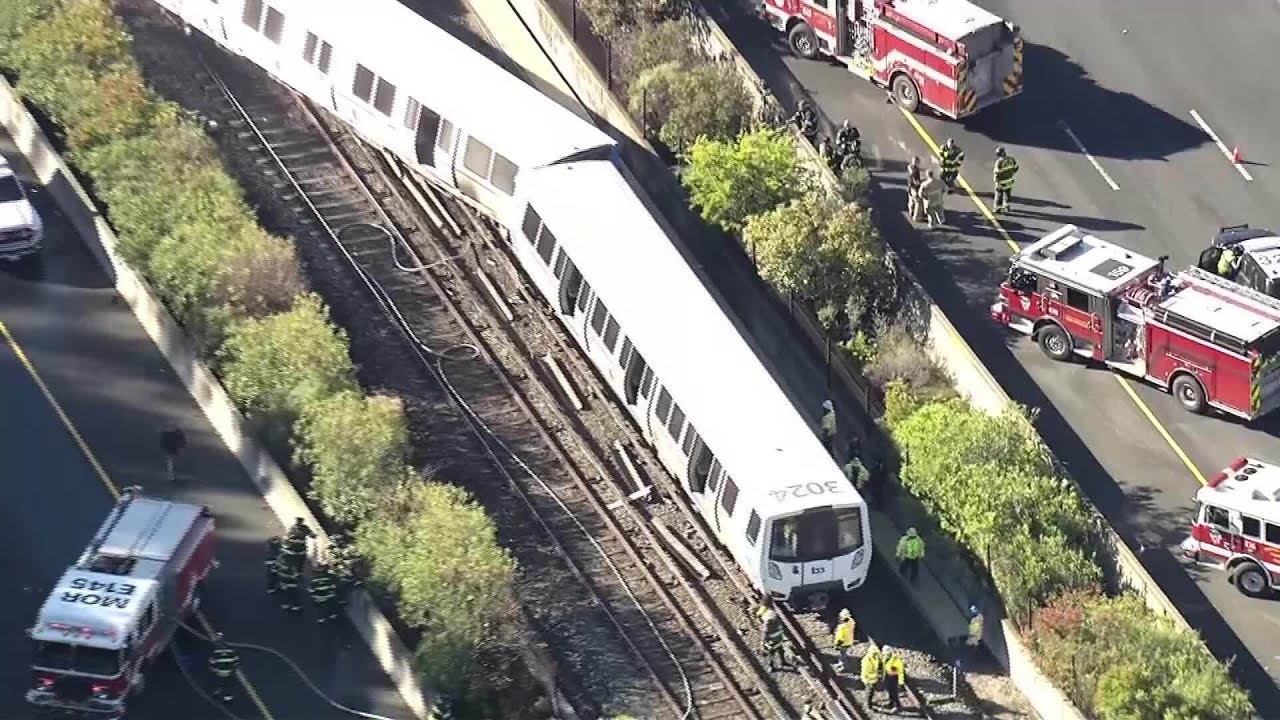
(116, 609)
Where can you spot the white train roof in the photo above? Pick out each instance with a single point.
(457, 82)
(736, 406)
(88, 608)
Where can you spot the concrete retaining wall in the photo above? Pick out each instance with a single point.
(208, 392)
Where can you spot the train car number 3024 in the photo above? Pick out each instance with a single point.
(800, 490)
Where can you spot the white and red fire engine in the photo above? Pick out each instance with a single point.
(1208, 341)
(118, 606)
(950, 55)
(1237, 526)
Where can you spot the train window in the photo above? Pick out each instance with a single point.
(624, 357)
(362, 85)
(584, 296)
(848, 530)
(317, 52)
(1251, 527)
(611, 334)
(714, 473)
(412, 113)
(445, 141)
(690, 438)
(663, 410)
(702, 463)
(753, 527)
(384, 97)
(531, 223)
(252, 14)
(562, 264)
(729, 499)
(1077, 299)
(504, 174)
(676, 426)
(570, 286)
(598, 317)
(274, 27)
(546, 245)
(477, 158)
(646, 379)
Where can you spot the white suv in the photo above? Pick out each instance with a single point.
(21, 229)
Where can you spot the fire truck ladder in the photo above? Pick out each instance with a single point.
(126, 498)
(1218, 281)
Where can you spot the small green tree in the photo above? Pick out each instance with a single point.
(356, 447)
(662, 42)
(825, 250)
(437, 551)
(729, 181)
(275, 366)
(691, 102)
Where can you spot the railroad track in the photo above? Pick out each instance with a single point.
(441, 275)
(419, 285)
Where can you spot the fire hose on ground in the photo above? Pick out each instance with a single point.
(306, 679)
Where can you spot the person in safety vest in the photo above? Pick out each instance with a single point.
(323, 588)
(829, 427)
(806, 120)
(774, 641)
(974, 637)
(915, 178)
(1229, 261)
(294, 552)
(951, 157)
(223, 663)
(910, 552)
(842, 638)
(288, 582)
(872, 672)
(1002, 176)
(894, 677)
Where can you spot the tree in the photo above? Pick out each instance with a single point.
(610, 17)
(275, 366)
(729, 181)
(356, 447)
(661, 42)
(436, 550)
(17, 17)
(822, 249)
(687, 103)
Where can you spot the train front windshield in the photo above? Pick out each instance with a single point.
(819, 534)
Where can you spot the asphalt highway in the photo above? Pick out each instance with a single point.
(107, 386)
(1106, 139)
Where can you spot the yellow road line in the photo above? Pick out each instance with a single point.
(106, 480)
(991, 218)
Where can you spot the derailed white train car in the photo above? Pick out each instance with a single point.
(716, 417)
(719, 421)
(406, 85)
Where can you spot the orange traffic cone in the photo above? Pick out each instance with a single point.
(1235, 155)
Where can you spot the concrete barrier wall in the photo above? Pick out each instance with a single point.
(178, 350)
(971, 377)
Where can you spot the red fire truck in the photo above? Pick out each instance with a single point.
(1209, 341)
(119, 605)
(1237, 526)
(950, 55)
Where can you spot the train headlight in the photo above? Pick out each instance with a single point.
(857, 557)
(775, 572)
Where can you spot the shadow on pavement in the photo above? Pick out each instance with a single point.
(1058, 89)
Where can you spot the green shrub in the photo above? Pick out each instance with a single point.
(261, 278)
(854, 182)
(1119, 661)
(610, 17)
(687, 103)
(276, 366)
(437, 551)
(729, 181)
(356, 447)
(657, 43)
(897, 356)
(17, 17)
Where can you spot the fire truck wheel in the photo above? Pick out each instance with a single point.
(1055, 342)
(803, 42)
(1252, 581)
(1189, 392)
(905, 92)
